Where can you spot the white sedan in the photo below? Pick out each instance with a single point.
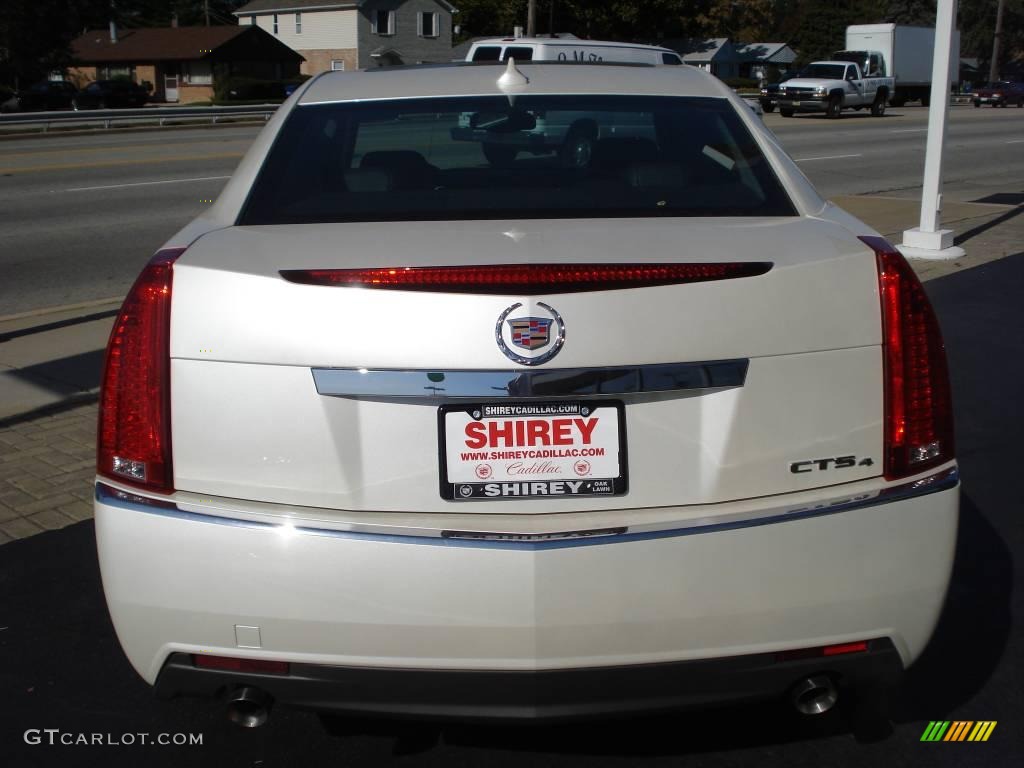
(404, 426)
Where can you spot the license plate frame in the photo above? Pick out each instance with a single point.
(581, 485)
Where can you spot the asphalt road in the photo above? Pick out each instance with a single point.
(62, 668)
(80, 215)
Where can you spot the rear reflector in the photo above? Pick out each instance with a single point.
(822, 650)
(918, 403)
(526, 278)
(134, 430)
(229, 664)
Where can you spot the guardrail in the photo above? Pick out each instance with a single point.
(108, 118)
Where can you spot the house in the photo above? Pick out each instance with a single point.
(356, 35)
(715, 54)
(756, 60)
(183, 64)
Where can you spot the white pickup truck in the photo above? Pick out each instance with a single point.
(831, 87)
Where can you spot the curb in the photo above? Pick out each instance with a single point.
(62, 308)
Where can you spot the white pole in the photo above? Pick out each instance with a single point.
(928, 241)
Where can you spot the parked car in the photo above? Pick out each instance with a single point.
(110, 94)
(44, 96)
(643, 424)
(1000, 94)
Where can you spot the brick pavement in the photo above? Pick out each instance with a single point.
(47, 465)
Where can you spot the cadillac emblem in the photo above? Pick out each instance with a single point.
(539, 334)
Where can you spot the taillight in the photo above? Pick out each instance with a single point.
(231, 664)
(527, 279)
(918, 403)
(134, 431)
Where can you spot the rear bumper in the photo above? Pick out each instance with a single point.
(548, 695)
(713, 593)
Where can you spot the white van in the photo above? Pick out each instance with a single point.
(569, 49)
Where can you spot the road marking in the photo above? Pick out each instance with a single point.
(111, 163)
(1016, 141)
(825, 157)
(141, 184)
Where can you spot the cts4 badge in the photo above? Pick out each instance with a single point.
(538, 334)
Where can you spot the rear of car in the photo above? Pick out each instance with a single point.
(398, 428)
(1000, 94)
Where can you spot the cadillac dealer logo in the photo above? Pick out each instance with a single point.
(530, 337)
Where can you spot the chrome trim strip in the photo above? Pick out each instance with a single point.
(941, 481)
(547, 383)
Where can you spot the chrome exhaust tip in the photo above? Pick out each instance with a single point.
(814, 695)
(249, 707)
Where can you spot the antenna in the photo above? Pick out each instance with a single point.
(512, 79)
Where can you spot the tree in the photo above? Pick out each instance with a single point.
(977, 22)
(739, 20)
(918, 13)
(34, 35)
(816, 28)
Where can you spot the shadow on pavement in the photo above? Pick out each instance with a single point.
(973, 630)
(57, 325)
(963, 237)
(81, 371)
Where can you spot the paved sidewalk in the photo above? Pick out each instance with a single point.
(50, 368)
(47, 464)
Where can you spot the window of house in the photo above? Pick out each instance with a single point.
(197, 73)
(337, 65)
(384, 23)
(298, 23)
(275, 23)
(428, 24)
(115, 72)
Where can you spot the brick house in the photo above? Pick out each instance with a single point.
(183, 64)
(356, 35)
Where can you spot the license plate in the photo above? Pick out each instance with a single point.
(494, 451)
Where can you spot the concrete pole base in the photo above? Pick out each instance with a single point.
(918, 244)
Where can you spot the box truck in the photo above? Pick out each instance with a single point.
(900, 52)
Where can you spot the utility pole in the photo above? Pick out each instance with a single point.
(929, 241)
(531, 19)
(206, 11)
(993, 68)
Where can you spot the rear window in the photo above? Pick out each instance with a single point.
(543, 157)
(487, 53)
(518, 52)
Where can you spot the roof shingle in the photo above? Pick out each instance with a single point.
(153, 44)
